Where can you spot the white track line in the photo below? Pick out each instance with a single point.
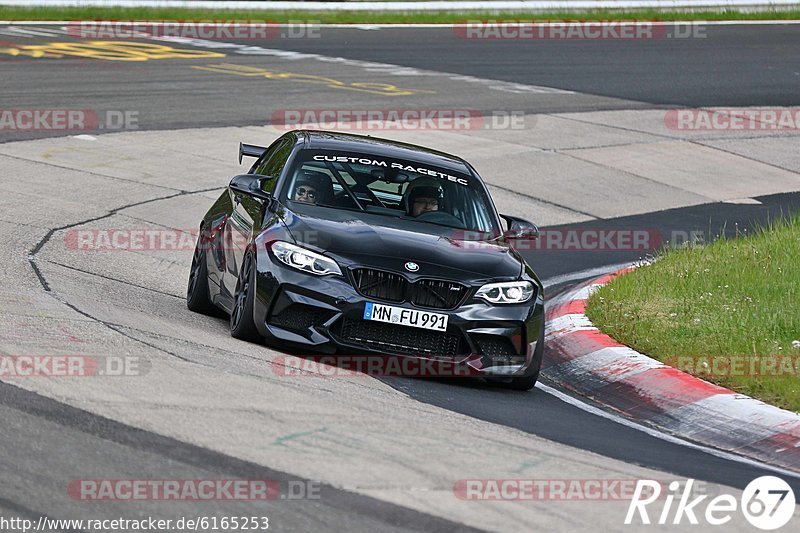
(588, 273)
(657, 434)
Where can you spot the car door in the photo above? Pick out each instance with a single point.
(247, 211)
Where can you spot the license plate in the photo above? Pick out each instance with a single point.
(405, 317)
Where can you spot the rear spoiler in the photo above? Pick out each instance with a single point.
(250, 150)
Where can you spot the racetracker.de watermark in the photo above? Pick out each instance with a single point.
(214, 30)
(545, 489)
(137, 240)
(39, 119)
(575, 239)
(581, 30)
(192, 489)
(163, 239)
(727, 366)
(369, 365)
(71, 366)
(734, 119)
(399, 119)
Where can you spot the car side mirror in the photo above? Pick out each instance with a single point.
(519, 228)
(252, 184)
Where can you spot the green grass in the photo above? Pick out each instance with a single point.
(371, 17)
(737, 299)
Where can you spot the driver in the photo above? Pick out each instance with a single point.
(424, 199)
(308, 185)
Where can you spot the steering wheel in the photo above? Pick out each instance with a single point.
(441, 217)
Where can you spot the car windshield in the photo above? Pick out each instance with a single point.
(390, 187)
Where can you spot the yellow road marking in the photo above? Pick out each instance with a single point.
(384, 89)
(109, 51)
(33, 53)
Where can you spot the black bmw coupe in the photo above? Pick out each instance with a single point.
(336, 243)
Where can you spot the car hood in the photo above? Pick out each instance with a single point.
(365, 239)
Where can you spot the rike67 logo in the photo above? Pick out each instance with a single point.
(767, 503)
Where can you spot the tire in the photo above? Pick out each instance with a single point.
(198, 299)
(528, 382)
(242, 324)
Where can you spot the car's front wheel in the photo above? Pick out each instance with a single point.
(243, 325)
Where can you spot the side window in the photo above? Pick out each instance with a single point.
(273, 162)
(268, 153)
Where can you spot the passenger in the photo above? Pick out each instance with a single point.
(307, 186)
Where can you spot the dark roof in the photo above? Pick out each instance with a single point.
(329, 140)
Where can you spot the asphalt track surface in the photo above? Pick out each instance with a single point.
(45, 441)
(721, 66)
(728, 66)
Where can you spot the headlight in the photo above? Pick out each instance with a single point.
(510, 292)
(304, 260)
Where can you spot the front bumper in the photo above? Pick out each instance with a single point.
(324, 315)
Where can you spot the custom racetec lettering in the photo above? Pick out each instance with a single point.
(346, 159)
(406, 166)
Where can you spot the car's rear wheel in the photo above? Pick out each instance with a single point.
(528, 382)
(198, 298)
(243, 325)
